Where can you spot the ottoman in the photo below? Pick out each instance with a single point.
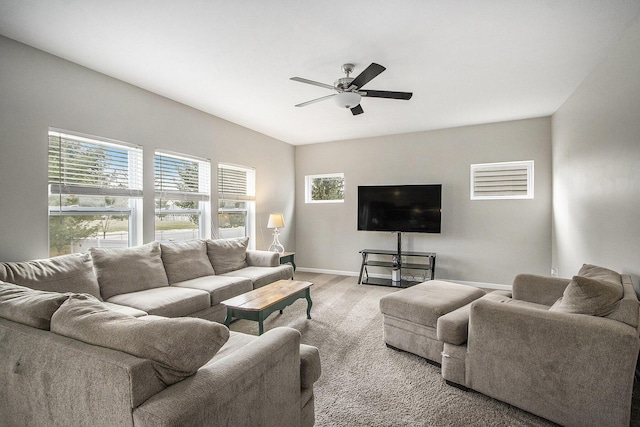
(410, 316)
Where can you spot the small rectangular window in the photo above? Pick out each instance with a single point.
(182, 195)
(325, 188)
(505, 180)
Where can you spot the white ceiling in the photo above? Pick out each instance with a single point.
(466, 61)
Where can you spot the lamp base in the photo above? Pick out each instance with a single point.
(276, 246)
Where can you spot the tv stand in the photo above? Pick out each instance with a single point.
(393, 260)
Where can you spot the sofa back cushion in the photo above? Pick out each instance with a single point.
(228, 254)
(186, 260)
(28, 306)
(628, 309)
(65, 273)
(125, 270)
(178, 347)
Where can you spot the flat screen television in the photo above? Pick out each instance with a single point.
(401, 208)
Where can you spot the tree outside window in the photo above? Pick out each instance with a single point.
(95, 187)
(325, 188)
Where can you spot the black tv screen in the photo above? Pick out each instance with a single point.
(404, 208)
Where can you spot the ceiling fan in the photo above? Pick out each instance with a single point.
(349, 90)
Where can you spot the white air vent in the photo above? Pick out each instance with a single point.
(506, 180)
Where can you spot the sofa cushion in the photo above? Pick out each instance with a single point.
(65, 273)
(261, 276)
(167, 301)
(185, 260)
(177, 346)
(227, 254)
(589, 296)
(219, 288)
(124, 309)
(125, 270)
(28, 306)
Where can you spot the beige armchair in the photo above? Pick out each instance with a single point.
(531, 352)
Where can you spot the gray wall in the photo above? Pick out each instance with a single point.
(38, 91)
(481, 241)
(596, 167)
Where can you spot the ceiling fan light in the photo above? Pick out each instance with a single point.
(347, 99)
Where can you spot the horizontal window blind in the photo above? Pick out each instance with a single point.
(506, 180)
(236, 183)
(180, 177)
(80, 165)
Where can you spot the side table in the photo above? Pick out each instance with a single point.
(288, 258)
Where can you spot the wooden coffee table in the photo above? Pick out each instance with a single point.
(258, 304)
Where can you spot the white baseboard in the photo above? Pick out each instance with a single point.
(482, 285)
(323, 271)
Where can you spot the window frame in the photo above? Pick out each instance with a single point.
(238, 193)
(62, 184)
(202, 195)
(308, 187)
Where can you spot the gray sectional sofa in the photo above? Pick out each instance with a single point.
(166, 279)
(123, 337)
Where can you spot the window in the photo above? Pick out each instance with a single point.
(182, 197)
(95, 191)
(236, 202)
(506, 180)
(327, 188)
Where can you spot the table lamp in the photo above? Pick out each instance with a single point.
(276, 221)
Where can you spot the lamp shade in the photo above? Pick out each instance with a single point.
(347, 99)
(276, 221)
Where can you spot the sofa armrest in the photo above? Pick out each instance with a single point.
(572, 369)
(259, 385)
(310, 369)
(263, 258)
(538, 289)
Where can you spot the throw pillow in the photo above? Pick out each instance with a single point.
(28, 306)
(599, 273)
(186, 260)
(589, 296)
(228, 254)
(65, 273)
(125, 270)
(178, 347)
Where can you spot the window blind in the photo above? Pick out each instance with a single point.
(236, 183)
(180, 177)
(506, 180)
(80, 165)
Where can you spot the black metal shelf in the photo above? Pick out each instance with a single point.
(378, 281)
(427, 267)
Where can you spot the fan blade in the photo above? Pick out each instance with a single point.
(386, 94)
(313, 101)
(367, 75)
(311, 82)
(357, 110)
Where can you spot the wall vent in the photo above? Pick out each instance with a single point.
(505, 180)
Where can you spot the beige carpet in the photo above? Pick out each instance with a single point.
(363, 382)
